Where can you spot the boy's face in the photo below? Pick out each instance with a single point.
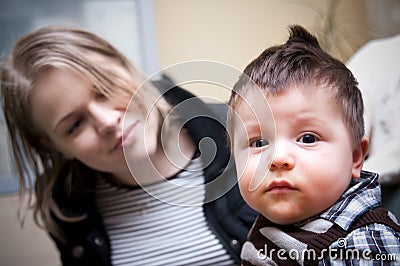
(300, 167)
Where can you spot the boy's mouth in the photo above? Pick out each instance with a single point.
(279, 186)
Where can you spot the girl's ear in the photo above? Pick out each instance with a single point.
(46, 146)
(359, 154)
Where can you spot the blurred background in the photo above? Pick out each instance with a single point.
(156, 34)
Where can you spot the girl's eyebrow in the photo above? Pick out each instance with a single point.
(62, 120)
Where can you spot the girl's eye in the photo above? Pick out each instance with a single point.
(100, 96)
(308, 139)
(258, 143)
(74, 126)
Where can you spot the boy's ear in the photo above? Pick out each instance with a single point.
(359, 154)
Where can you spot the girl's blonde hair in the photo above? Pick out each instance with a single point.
(86, 54)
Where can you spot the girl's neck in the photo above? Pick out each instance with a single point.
(166, 162)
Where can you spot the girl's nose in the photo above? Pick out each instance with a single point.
(283, 158)
(106, 119)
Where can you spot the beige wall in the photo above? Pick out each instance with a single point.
(22, 247)
(234, 32)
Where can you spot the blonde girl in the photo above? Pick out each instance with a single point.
(66, 95)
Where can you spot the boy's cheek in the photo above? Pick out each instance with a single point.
(241, 159)
(243, 169)
(250, 196)
(245, 176)
(244, 182)
(252, 169)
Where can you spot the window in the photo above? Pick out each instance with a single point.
(127, 24)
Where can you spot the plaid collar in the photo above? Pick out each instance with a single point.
(363, 194)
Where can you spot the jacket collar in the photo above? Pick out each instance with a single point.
(205, 127)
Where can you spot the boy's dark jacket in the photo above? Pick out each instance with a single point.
(228, 216)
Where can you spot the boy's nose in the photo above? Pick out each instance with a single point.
(282, 158)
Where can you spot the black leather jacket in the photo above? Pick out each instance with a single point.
(228, 216)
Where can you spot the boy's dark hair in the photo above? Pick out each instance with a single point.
(301, 60)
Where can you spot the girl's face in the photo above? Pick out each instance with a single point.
(83, 124)
(303, 163)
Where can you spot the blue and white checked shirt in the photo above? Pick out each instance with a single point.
(378, 240)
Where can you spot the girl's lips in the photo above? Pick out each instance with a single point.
(128, 135)
(127, 138)
(116, 146)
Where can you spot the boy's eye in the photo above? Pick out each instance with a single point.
(258, 143)
(308, 138)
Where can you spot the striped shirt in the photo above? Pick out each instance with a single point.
(162, 224)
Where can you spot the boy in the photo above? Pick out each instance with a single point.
(297, 134)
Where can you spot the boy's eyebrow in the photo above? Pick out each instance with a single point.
(306, 117)
(252, 124)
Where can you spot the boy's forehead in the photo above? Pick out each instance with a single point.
(256, 103)
(252, 105)
(257, 94)
(250, 97)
